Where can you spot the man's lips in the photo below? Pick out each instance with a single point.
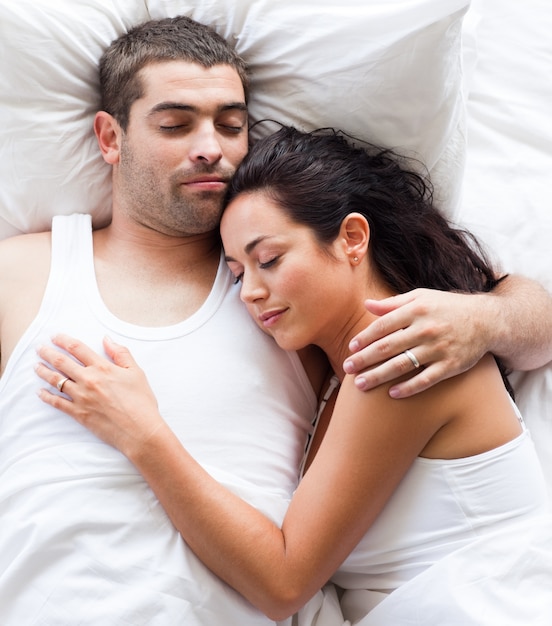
(206, 182)
(269, 318)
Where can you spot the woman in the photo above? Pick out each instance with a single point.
(389, 487)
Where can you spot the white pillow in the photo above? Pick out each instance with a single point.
(48, 96)
(388, 71)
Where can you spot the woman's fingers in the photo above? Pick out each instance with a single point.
(69, 356)
(77, 349)
(58, 363)
(111, 398)
(67, 363)
(56, 379)
(119, 354)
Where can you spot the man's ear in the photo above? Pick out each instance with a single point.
(355, 234)
(108, 133)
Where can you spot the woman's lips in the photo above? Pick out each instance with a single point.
(270, 318)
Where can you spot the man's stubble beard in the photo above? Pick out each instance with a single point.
(167, 210)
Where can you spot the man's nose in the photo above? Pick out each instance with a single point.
(206, 147)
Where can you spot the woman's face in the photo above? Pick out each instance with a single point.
(289, 282)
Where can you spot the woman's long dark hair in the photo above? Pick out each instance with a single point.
(318, 178)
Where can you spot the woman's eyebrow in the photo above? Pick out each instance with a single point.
(249, 247)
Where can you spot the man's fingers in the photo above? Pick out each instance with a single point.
(378, 329)
(387, 371)
(381, 307)
(383, 330)
(424, 379)
(386, 349)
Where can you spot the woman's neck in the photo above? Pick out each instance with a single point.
(336, 346)
(357, 318)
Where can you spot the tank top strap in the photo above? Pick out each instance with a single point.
(71, 242)
(518, 413)
(333, 384)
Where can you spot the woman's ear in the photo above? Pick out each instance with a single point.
(108, 133)
(355, 234)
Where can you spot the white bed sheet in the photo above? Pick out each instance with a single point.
(507, 191)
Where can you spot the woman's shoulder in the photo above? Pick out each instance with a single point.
(460, 416)
(479, 412)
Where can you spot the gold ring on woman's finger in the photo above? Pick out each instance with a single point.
(61, 382)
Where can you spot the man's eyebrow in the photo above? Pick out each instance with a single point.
(179, 106)
(239, 106)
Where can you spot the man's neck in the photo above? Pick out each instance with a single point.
(151, 279)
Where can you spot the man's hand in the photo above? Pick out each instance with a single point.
(437, 328)
(447, 333)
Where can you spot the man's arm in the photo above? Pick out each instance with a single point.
(24, 269)
(449, 332)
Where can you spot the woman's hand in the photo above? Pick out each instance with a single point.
(111, 398)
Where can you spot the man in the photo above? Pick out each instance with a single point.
(82, 538)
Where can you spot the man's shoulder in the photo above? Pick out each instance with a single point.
(23, 253)
(24, 270)
(24, 242)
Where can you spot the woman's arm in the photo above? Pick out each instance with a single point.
(448, 333)
(358, 465)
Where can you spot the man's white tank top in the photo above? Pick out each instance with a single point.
(82, 537)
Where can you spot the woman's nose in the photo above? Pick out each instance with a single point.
(251, 290)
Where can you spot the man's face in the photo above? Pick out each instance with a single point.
(185, 138)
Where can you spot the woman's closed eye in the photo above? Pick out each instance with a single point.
(266, 264)
(238, 276)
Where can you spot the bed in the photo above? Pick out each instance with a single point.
(465, 87)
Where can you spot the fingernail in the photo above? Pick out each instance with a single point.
(394, 392)
(354, 345)
(360, 383)
(348, 367)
